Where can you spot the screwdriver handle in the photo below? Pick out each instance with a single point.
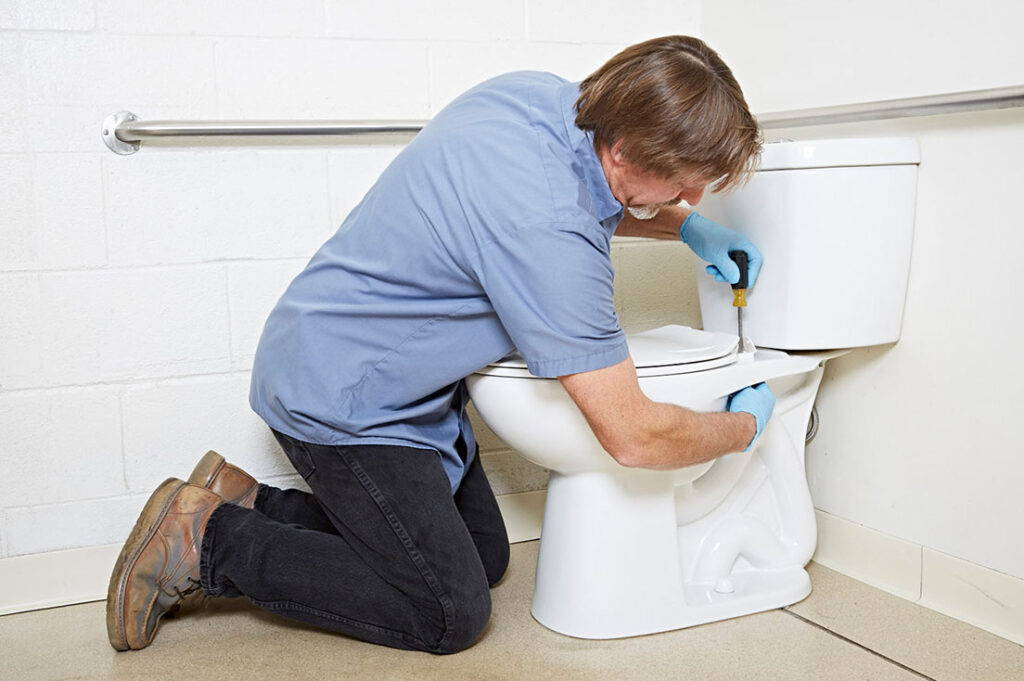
(740, 258)
(739, 289)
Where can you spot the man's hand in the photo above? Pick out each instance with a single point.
(757, 400)
(712, 243)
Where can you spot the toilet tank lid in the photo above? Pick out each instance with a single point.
(840, 153)
(664, 346)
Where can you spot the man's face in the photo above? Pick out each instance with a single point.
(643, 193)
(684, 189)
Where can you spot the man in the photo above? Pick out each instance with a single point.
(488, 234)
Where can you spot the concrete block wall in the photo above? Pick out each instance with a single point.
(133, 288)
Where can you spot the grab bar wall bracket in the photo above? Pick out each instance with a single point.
(112, 124)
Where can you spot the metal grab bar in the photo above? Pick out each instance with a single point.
(930, 105)
(123, 132)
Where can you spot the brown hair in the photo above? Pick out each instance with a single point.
(677, 109)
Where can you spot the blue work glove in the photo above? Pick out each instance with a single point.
(757, 400)
(712, 243)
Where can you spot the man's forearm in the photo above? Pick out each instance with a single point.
(639, 432)
(685, 437)
(664, 225)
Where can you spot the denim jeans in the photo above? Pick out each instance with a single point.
(381, 551)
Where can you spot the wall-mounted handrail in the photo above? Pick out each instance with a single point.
(930, 105)
(123, 132)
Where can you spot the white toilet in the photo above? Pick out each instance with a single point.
(626, 551)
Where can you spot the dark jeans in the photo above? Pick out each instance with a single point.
(381, 551)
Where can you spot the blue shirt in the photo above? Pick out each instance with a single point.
(489, 233)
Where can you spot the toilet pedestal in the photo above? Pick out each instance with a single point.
(630, 552)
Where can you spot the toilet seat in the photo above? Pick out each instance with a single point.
(664, 351)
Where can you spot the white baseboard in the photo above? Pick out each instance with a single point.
(49, 580)
(971, 593)
(523, 514)
(869, 556)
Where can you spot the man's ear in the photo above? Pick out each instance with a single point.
(616, 152)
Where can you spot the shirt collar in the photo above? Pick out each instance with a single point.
(605, 203)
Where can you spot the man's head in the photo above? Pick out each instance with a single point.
(669, 111)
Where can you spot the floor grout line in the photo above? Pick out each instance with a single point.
(859, 645)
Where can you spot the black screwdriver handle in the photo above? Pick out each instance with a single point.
(740, 258)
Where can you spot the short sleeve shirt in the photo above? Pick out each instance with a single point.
(487, 235)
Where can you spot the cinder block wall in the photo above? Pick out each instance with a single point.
(133, 288)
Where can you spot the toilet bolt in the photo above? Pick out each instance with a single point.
(725, 586)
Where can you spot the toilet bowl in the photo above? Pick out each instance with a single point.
(628, 551)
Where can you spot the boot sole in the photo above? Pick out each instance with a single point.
(145, 527)
(207, 469)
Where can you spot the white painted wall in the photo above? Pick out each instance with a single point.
(921, 440)
(133, 289)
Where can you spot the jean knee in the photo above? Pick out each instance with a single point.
(496, 563)
(469, 618)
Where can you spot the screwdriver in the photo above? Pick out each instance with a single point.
(739, 291)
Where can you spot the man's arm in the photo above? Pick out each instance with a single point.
(641, 433)
(664, 225)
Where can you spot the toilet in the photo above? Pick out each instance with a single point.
(627, 551)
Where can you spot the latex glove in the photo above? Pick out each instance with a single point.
(757, 400)
(712, 243)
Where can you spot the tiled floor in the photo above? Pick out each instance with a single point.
(844, 630)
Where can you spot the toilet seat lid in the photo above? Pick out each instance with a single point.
(672, 349)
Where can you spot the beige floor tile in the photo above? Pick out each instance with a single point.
(232, 640)
(933, 644)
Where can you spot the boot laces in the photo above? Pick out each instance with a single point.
(188, 599)
(193, 586)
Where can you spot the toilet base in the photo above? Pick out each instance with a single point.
(753, 592)
(627, 551)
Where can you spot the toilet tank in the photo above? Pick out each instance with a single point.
(834, 220)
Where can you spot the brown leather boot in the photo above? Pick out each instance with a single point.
(159, 564)
(234, 485)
